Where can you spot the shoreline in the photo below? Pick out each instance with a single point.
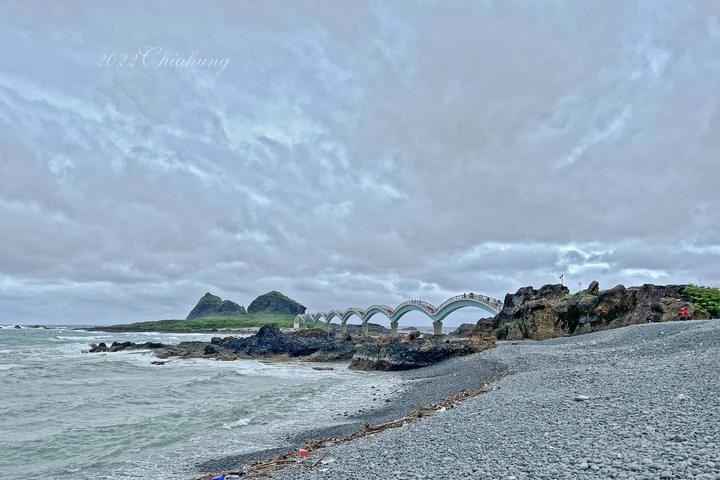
(630, 403)
(423, 387)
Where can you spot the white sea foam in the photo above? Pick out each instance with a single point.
(240, 423)
(84, 338)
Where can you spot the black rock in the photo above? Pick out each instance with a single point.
(271, 341)
(593, 288)
(400, 354)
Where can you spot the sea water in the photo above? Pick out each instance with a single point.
(70, 415)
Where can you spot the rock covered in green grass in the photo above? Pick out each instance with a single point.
(211, 304)
(275, 302)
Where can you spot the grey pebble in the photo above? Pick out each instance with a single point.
(631, 426)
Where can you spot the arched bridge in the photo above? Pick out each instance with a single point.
(436, 314)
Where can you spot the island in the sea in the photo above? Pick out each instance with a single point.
(212, 314)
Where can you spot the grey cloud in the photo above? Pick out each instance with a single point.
(353, 153)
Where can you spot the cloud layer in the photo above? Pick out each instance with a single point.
(351, 153)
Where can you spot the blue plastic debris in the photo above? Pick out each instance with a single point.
(221, 477)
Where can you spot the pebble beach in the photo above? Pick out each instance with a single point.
(640, 402)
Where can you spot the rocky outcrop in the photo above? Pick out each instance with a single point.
(484, 329)
(211, 304)
(384, 353)
(270, 341)
(464, 330)
(120, 346)
(275, 302)
(227, 307)
(404, 354)
(552, 311)
(356, 329)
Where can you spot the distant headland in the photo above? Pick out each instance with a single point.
(213, 314)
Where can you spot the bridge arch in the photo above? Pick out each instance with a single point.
(461, 303)
(436, 314)
(413, 305)
(350, 312)
(374, 310)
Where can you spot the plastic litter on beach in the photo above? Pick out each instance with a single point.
(311, 462)
(219, 477)
(303, 452)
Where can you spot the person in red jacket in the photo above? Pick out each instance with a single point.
(684, 311)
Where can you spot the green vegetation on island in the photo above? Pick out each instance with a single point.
(209, 323)
(211, 313)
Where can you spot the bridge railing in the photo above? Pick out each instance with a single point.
(422, 303)
(491, 302)
(357, 310)
(385, 308)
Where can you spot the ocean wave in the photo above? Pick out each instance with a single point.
(239, 423)
(82, 338)
(220, 376)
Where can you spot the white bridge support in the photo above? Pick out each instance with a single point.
(436, 314)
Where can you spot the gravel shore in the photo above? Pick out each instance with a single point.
(640, 402)
(420, 387)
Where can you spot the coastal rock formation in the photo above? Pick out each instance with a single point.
(552, 311)
(464, 330)
(316, 345)
(275, 302)
(269, 340)
(384, 353)
(356, 329)
(404, 354)
(211, 304)
(119, 346)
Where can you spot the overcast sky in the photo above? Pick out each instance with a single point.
(348, 153)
